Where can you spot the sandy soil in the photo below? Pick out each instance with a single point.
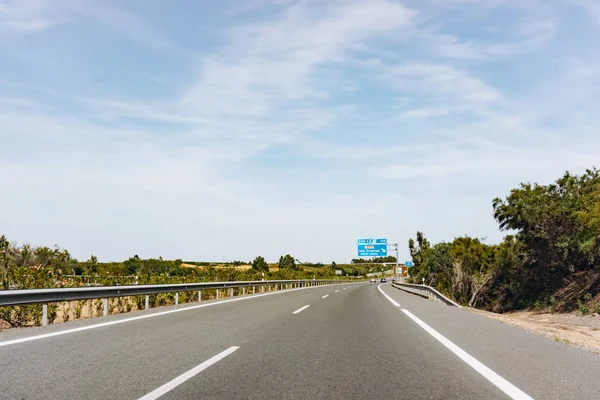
(572, 329)
(239, 267)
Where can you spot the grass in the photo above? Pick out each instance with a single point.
(558, 339)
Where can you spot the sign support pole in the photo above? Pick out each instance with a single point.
(396, 274)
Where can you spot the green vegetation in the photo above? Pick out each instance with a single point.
(375, 260)
(287, 262)
(552, 261)
(260, 264)
(25, 267)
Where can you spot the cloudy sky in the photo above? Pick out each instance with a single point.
(210, 130)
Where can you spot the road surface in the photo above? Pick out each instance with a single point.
(329, 342)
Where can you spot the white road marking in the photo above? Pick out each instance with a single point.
(394, 302)
(345, 288)
(167, 387)
(325, 296)
(301, 309)
(511, 390)
(158, 314)
(337, 291)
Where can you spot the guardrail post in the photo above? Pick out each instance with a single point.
(243, 290)
(44, 314)
(217, 294)
(176, 298)
(253, 289)
(147, 301)
(199, 296)
(230, 292)
(105, 306)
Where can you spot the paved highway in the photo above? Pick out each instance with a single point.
(329, 342)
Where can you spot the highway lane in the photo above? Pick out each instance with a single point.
(128, 360)
(542, 367)
(354, 343)
(351, 346)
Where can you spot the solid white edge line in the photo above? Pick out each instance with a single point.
(301, 309)
(337, 291)
(511, 390)
(167, 387)
(508, 388)
(394, 302)
(157, 314)
(324, 297)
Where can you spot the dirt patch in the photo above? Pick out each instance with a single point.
(184, 265)
(572, 329)
(238, 267)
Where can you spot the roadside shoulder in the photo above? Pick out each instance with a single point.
(571, 329)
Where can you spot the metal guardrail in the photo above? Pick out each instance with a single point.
(425, 291)
(55, 295)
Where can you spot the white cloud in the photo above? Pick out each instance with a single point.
(530, 35)
(426, 112)
(304, 120)
(20, 85)
(28, 26)
(26, 16)
(134, 27)
(421, 170)
(445, 89)
(592, 7)
(269, 62)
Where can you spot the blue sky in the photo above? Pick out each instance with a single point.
(207, 130)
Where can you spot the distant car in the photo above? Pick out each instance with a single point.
(373, 280)
(383, 280)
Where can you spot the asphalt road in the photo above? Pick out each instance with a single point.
(351, 342)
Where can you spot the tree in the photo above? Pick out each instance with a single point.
(333, 265)
(558, 223)
(259, 264)
(287, 262)
(133, 265)
(92, 265)
(416, 252)
(4, 245)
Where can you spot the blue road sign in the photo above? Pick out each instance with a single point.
(365, 241)
(372, 250)
(381, 241)
(409, 263)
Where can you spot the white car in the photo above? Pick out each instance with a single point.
(373, 280)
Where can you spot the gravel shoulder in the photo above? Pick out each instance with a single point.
(570, 329)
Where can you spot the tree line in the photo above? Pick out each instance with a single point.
(27, 267)
(550, 259)
(374, 260)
